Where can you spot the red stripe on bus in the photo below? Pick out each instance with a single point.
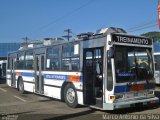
(18, 73)
(74, 78)
(137, 87)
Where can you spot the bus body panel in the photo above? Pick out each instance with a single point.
(157, 76)
(131, 103)
(157, 67)
(53, 82)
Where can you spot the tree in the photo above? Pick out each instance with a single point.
(153, 35)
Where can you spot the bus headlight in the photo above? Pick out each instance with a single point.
(112, 98)
(151, 92)
(119, 96)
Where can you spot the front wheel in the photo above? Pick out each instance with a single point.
(70, 96)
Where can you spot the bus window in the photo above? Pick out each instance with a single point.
(70, 57)
(53, 58)
(20, 64)
(29, 60)
(157, 62)
(8, 63)
(42, 62)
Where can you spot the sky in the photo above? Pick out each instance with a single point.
(38, 19)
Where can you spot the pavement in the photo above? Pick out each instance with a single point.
(29, 106)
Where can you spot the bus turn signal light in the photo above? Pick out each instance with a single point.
(112, 97)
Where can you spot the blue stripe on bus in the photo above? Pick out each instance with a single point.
(56, 76)
(126, 88)
(81, 78)
(49, 76)
(27, 74)
(122, 88)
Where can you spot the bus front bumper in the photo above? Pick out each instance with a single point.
(153, 102)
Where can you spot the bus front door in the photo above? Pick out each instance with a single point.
(93, 76)
(39, 79)
(13, 74)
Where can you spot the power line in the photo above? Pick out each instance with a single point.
(142, 25)
(146, 27)
(132, 29)
(66, 15)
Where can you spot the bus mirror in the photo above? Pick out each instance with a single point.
(110, 53)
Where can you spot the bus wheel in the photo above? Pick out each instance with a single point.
(21, 86)
(70, 96)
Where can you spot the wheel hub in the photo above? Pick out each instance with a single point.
(70, 95)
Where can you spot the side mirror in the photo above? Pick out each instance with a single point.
(110, 52)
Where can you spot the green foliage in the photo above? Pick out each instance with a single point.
(153, 35)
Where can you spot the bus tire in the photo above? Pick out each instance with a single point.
(21, 86)
(70, 96)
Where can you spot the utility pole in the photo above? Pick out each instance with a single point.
(26, 40)
(68, 36)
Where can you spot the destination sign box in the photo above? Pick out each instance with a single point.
(131, 39)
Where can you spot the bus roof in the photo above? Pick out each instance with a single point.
(88, 36)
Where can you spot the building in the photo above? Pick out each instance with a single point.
(4, 49)
(7, 47)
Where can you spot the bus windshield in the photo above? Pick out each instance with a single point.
(133, 64)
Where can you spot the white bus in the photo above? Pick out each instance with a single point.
(104, 70)
(3, 69)
(157, 67)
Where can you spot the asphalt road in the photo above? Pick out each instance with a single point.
(16, 106)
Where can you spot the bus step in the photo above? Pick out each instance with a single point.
(98, 102)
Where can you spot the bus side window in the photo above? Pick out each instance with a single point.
(70, 57)
(53, 58)
(20, 62)
(29, 60)
(8, 63)
(157, 62)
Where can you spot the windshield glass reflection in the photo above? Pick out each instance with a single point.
(133, 64)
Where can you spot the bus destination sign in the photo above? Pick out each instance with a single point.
(131, 39)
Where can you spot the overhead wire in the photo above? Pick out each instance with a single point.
(64, 16)
(132, 29)
(143, 26)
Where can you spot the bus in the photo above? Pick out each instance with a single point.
(157, 67)
(3, 69)
(104, 70)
